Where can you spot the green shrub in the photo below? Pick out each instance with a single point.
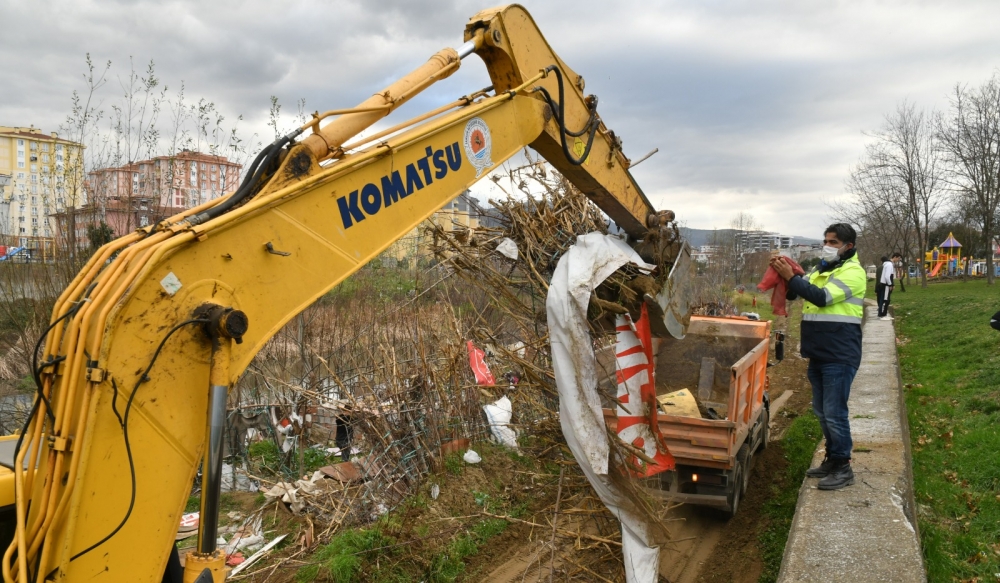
(315, 459)
(265, 454)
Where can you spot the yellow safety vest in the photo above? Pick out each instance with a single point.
(844, 287)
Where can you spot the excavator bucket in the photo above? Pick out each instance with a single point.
(670, 310)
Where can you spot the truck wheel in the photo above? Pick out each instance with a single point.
(736, 484)
(744, 456)
(765, 431)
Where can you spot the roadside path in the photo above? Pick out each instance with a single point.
(865, 532)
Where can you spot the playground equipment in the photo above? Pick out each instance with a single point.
(946, 260)
(947, 256)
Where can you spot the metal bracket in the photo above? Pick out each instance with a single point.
(95, 375)
(270, 249)
(57, 443)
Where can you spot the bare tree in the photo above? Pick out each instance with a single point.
(876, 198)
(742, 225)
(970, 140)
(896, 187)
(909, 150)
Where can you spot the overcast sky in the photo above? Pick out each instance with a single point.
(755, 106)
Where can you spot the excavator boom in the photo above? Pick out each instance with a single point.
(146, 340)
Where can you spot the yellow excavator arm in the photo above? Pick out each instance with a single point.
(157, 326)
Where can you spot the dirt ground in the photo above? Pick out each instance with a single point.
(734, 556)
(710, 548)
(717, 550)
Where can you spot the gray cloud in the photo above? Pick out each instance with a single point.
(755, 106)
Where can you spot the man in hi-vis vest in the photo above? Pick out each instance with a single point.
(831, 339)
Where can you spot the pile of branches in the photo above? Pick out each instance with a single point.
(544, 214)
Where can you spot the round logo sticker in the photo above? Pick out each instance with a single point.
(478, 144)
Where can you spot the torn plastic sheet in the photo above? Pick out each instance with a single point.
(585, 265)
(477, 360)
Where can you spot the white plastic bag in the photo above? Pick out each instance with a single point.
(499, 414)
(508, 248)
(471, 457)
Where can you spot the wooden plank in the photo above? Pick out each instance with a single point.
(706, 378)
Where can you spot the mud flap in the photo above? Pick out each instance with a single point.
(670, 310)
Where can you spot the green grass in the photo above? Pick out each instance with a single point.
(799, 444)
(454, 463)
(341, 560)
(950, 365)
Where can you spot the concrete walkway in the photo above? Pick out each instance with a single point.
(865, 532)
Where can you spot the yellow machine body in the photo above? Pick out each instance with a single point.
(307, 229)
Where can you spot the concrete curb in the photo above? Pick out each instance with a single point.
(865, 532)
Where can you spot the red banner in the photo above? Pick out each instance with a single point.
(637, 405)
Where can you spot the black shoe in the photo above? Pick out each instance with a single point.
(823, 470)
(840, 477)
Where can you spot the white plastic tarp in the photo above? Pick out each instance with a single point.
(585, 265)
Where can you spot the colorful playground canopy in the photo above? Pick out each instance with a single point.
(950, 242)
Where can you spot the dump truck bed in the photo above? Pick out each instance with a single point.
(723, 361)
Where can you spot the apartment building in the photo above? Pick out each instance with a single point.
(755, 241)
(136, 195)
(40, 174)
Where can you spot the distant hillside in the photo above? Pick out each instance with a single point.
(699, 237)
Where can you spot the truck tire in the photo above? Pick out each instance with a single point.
(744, 455)
(738, 483)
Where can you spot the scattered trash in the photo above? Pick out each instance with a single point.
(435, 491)
(750, 315)
(286, 493)
(455, 445)
(499, 414)
(345, 472)
(235, 479)
(478, 363)
(188, 526)
(518, 349)
(289, 493)
(472, 457)
(507, 248)
(256, 556)
(235, 559)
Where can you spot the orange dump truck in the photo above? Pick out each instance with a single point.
(714, 409)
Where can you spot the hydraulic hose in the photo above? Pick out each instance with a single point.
(264, 162)
(559, 113)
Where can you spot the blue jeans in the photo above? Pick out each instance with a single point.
(831, 387)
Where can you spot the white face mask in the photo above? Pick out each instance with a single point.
(829, 253)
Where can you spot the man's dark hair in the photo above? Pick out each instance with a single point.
(844, 232)
(884, 259)
(897, 254)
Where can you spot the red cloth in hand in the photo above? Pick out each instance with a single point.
(773, 280)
